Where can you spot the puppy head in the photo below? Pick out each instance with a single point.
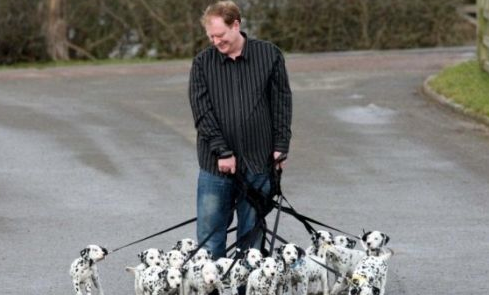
(269, 267)
(210, 273)
(375, 239)
(173, 276)
(175, 258)
(202, 256)
(152, 257)
(94, 253)
(321, 238)
(290, 253)
(252, 257)
(344, 242)
(185, 245)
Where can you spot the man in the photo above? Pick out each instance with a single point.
(242, 107)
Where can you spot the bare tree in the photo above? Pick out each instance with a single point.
(56, 30)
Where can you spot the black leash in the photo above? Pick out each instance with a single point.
(282, 240)
(306, 219)
(326, 267)
(154, 235)
(200, 246)
(275, 226)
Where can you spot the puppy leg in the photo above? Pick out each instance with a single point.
(76, 285)
(88, 287)
(382, 285)
(96, 281)
(248, 289)
(234, 288)
(339, 285)
(324, 283)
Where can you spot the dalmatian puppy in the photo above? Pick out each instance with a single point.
(263, 280)
(319, 238)
(343, 241)
(287, 255)
(242, 268)
(186, 246)
(203, 279)
(174, 258)
(156, 280)
(149, 257)
(370, 275)
(373, 242)
(305, 272)
(343, 260)
(84, 272)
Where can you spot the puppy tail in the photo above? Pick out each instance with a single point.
(132, 270)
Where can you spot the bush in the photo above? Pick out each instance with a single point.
(319, 25)
(20, 36)
(97, 29)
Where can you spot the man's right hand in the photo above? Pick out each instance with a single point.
(227, 165)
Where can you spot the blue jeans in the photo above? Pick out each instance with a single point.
(216, 197)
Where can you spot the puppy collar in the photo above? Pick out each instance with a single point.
(297, 263)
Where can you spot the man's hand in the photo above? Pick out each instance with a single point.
(281, 165)
(227, 165)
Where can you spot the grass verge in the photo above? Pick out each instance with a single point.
(53, 64)
(465, 84)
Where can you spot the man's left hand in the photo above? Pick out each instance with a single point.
(281, 165)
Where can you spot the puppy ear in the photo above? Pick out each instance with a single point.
(162, 252)
(314, 236)
(365, 235)
(163, 274)
(178, 246)
(386, 239)
(220, 269)
(142, 256)
(209, 253)
(300, 251)
(351, 243)
(84, 252)
(280, 250)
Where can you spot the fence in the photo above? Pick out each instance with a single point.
(483, 33)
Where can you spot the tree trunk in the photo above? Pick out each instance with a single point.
(56, 30)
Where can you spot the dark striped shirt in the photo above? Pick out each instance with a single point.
(243, 105)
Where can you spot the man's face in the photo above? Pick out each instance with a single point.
(222, 36)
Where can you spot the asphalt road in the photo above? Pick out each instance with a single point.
(105, 155)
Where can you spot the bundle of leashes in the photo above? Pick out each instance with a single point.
(263, 205)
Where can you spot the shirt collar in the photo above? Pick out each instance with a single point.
(244, 53)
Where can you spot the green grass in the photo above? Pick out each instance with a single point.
(465, 84)
(52, 64)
